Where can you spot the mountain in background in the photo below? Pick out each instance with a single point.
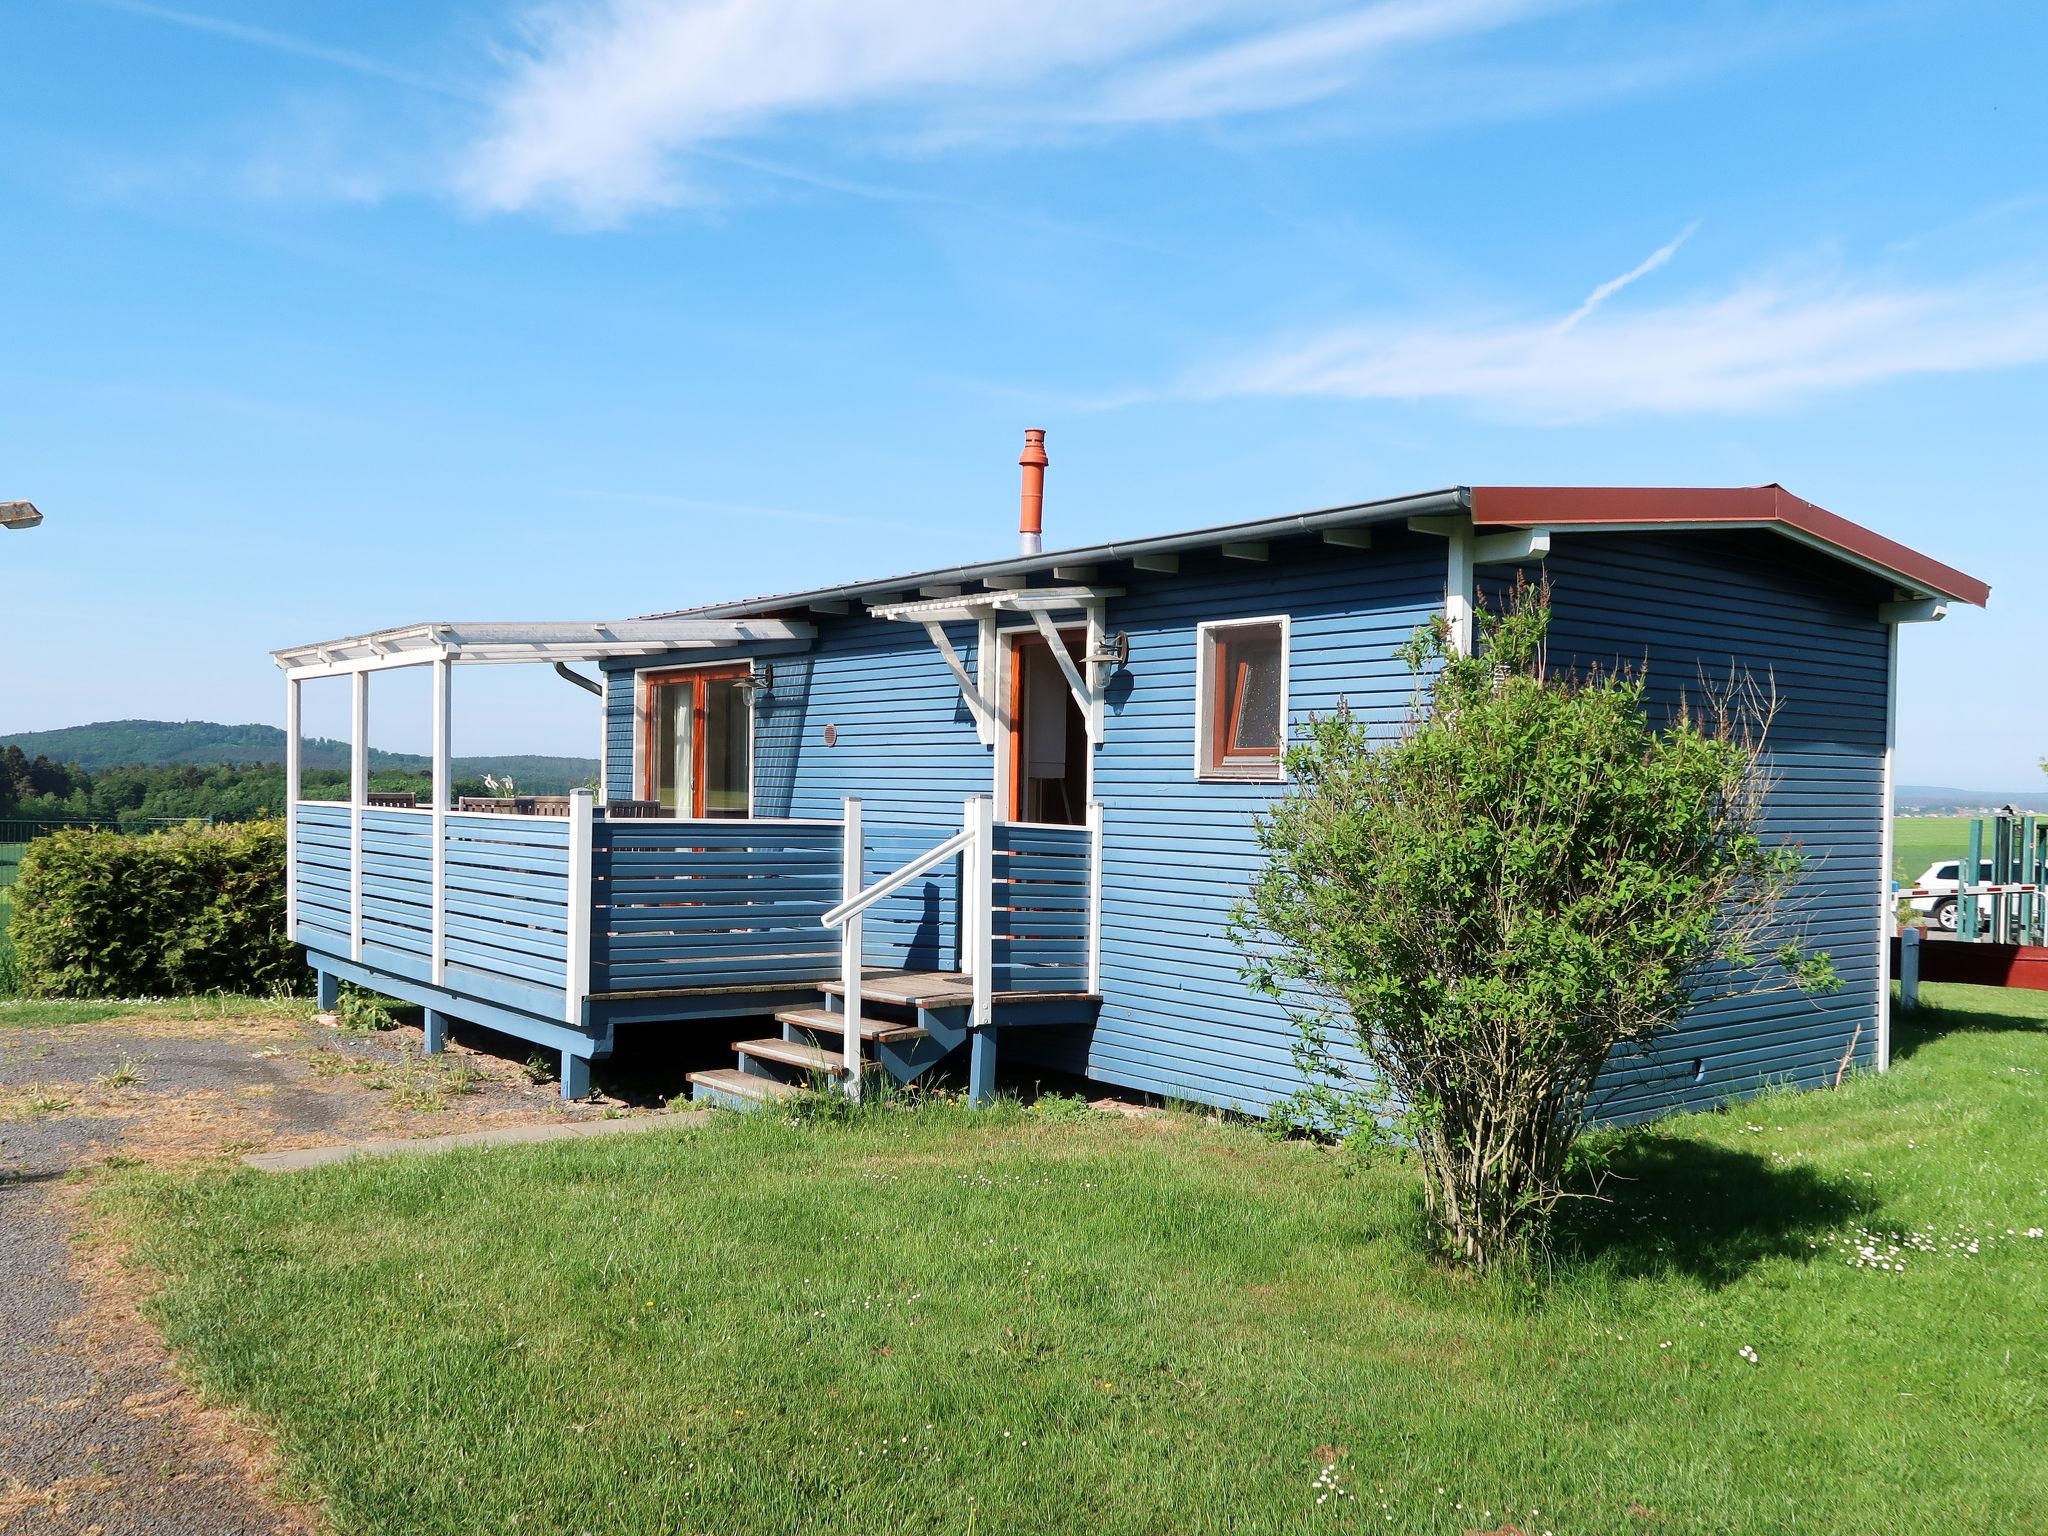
(161, 743)
(1934, 799)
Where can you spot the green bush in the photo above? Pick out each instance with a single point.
(194, 909)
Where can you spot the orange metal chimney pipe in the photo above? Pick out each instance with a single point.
(1031, 511)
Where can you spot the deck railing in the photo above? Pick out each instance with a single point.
(694, 904)
(541, 913)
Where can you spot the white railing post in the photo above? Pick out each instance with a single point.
(291, 807)
(576, 987)
(982, 864)
(1095, 896)
(850, 944)
(443, 788)
(358, 798)
(968, 823)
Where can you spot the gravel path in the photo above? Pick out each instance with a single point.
(97, 1436)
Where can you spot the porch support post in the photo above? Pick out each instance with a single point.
(851, 946)
(436, 1026)
(1095, 896)
(326, 991)
(358, 798)
(292, 727)
(576, 984)
(981, 891)
(1098, 678)
(575, 1076)
(981, 1066)
(1458, 589)
(443, 786)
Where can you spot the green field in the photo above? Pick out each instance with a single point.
(1818, 1312)
(1917, 841)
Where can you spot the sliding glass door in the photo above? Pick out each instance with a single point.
(698, 742)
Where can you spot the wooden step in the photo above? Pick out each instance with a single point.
(911, 989)
(819, 1021)
(730, 1082)
(794, 1053)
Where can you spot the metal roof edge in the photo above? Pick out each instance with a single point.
(1453, 499)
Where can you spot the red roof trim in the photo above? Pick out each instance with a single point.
(1562, 506)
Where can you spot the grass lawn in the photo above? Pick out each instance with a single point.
(1034, 1321)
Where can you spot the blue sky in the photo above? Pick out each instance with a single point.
(328, 316)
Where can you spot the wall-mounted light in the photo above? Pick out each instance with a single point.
(19, 514)
(1116, 651)
(759, 682)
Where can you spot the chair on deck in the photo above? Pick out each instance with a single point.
(487, 804)
(394, 799)
(543, 805)
(645, 810)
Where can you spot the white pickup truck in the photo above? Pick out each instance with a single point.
(1940, 881)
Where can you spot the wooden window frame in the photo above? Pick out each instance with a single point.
(1212, 731)
(645, 682)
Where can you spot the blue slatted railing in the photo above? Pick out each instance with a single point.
(1042, 919)
(508, 884)
(674, 905)
(681, 904)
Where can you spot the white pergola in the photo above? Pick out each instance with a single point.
(442, 646)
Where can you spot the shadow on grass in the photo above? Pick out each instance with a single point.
(1913, 1028)
(1672, 1205)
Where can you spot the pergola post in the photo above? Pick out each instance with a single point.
(358, 799)
(291, 806)
(444, 670)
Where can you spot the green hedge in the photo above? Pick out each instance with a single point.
(194, 909)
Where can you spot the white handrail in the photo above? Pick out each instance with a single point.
(888, 885)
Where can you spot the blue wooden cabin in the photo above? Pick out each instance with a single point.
(1002, 809)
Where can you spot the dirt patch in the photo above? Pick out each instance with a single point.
(99, 1435)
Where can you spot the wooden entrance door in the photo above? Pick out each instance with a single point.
(698, 742)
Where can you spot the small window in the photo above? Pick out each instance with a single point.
(1243, 729)
(1947, 871)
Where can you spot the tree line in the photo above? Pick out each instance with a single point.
(135, 796)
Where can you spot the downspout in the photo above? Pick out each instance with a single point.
(588, 685)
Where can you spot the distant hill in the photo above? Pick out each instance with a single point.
(1932, 799)
(160, 743)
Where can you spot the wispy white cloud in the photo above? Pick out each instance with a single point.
(283, 42)
(1641, 269)
(1292, 65)
(1762, 342)
(604, 96)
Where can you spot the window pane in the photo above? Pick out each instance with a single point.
(727, 722)
(1251, 659)
(670, 706)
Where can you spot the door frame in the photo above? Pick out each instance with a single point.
(645, 680)
(1010, 743)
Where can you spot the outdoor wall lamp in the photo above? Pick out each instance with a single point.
(758, 683)
(1116, 651)
(19, 514)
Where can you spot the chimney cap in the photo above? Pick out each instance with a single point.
(1034, 448)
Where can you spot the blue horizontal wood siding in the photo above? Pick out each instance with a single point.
(1690, 611)
(1176, 1018)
